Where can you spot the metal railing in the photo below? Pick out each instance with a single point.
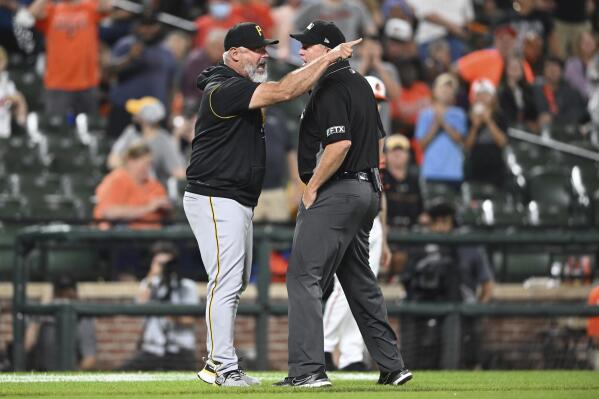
(266, 239)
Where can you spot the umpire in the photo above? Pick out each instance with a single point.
(225, 177)
(338, 156)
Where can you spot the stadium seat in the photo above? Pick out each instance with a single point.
(79, 263)
(35, 185)
(55, 208)
(550, 186)
(7, 235)
(13, 208)
(434, 191)
(520, 266)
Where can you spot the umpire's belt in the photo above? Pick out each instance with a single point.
(363, 176)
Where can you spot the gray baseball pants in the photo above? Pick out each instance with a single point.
(223, 229)
(332, 237)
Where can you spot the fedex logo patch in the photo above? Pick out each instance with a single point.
(335, 130)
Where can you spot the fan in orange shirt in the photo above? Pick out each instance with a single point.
(72, 46)
(489, 63)
(130, 194)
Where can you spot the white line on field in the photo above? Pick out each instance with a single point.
(151, 377)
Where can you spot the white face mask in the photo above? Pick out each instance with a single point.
(220, 10)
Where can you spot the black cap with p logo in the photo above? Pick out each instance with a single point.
(248, 35)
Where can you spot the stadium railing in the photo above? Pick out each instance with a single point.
(266, 239)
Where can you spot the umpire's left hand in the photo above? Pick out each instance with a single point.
(309, 197)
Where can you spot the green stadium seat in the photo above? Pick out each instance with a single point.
(550, 186)
(54, 208)
(520, 266)
(434, 191)
(78, 262)
(13, 208)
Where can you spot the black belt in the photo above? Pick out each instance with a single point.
(363, 176)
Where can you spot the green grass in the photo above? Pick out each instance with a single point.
(425, 385)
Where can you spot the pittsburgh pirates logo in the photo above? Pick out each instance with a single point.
(259, 30)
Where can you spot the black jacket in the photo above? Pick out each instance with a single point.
(228, 150)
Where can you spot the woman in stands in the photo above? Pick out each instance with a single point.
(487, 136)
(516, 97)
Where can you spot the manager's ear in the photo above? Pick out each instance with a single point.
(235, 54)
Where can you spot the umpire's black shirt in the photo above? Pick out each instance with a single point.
(341, 107)
(228, 154)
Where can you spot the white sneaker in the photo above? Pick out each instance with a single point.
(248, 379)
(233, 378)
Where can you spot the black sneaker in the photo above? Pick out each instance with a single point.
(316, 380)
(398, 377)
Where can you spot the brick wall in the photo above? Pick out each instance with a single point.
(507, 342)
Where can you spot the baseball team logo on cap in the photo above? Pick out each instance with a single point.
(320, 32)
(248, 35)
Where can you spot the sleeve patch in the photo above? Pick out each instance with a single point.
(335, 130)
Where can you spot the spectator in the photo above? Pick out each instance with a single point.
(220, 16)
(11, 100)
(167, 161)
(490, 63)
(516, 97)
(404, 200)
(487, 137)
(527, 17)
(438, 60)
(368, 60)
(167, 343)
(274, 205)
(593, 328)
(72, 47)
(571, 21)
(533, 52)
(143, 66)
(352, 18)
(130, 194)
(198, 60)
(557, 102)
(442, 19)
(440, 131)
(399, 45)
(8, 22)
(577, 66)
(441, 274)
(257, 11)
(283, 17)
(40, 336)
(413, 98)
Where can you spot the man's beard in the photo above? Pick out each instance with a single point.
(255, 75)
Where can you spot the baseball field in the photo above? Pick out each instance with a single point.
(425, 385)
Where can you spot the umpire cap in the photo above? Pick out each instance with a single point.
(320, 32)
(248, 35)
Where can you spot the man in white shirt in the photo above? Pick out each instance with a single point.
(442, 19)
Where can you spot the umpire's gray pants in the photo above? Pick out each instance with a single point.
(332, 236)
(223, 229)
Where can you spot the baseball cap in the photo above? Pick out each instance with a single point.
(248, 35)
(148, 109)
(396, 141)
(378, 88)
(398, 29)
(483, 86)
(320, 32)
(506, 29)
